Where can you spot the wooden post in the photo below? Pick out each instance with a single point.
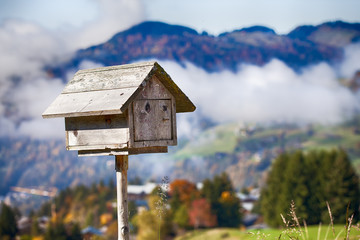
(121, 167)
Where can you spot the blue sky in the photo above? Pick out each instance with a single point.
(214, 16)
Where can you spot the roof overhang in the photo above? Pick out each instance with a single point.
(110, 90)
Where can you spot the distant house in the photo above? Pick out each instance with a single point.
(89, 232)
(43, 222)
(247, 203)
(140, 192)
(248, 200)
(24, 224)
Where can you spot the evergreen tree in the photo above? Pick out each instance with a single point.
(310, 180)
(227, 210)
(56, 231)
(344, 184)
(273, 192)
(315, 202)
(8, 227)
(296, 184)
(75, 233)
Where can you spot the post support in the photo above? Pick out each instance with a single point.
(121, 167)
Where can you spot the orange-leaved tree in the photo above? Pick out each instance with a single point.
(200, 214)
(186, 191)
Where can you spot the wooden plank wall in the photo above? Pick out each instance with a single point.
(97, 132)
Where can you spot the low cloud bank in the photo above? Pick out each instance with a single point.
(273, 93)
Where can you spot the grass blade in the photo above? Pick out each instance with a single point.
(306, 229)
(331, 218)
(319, 232)
(327, 232)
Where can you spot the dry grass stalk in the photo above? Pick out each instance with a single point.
(284, 220)
(295, 218)
(348, 227)
(331, 218)
(357, 227)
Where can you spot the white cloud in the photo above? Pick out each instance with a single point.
(25, 48)
(273, 93)
(33, 97)
(30, 99)
(351, 64)
(188, 125)
(42, 128)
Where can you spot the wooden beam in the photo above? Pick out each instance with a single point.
(104, 152)
(134, 151)
(122, 151)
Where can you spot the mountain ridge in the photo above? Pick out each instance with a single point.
(257, 45)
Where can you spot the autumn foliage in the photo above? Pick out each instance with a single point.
(200, 214)
(213, 205)
(186, 190)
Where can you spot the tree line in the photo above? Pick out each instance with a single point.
(311, 180)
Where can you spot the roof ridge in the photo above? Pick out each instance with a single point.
(115, 67)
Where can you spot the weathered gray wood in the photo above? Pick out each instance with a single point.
(121, 166)
(153, 89)
(96, 132)
(173, 126)
(183, 103)
(125, 76)
(130, 115)
(152, 120)
(104, 152)
(110, 90)
(144, 144)
(98, 147)
(135, 151)
(89, 103)
(112, 138)
(96, 122)
(123, 151)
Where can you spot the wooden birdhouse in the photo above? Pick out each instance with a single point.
(120, 110)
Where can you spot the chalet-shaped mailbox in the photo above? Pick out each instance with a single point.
(120, 110)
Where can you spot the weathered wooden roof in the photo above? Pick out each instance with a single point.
(110, 90)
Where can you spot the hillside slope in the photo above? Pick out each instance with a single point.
(246, 152)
